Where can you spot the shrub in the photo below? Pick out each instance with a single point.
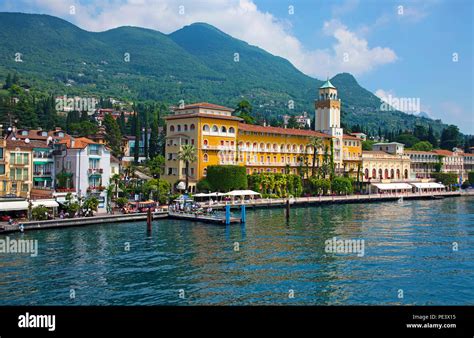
(121, 202)
(445, 178)
(342, 185)
(91, 204)
(319, 186)
(470, 176)
(39, 213)
(203, 185)
(226, 177)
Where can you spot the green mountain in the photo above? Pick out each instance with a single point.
(195, 63)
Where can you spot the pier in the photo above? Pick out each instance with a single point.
(257, 203)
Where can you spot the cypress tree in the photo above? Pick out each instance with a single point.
(154, 137)
(136, 148)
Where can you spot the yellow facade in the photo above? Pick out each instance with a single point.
(17, 167)
(221, 139)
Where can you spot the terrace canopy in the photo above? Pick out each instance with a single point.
(13, 205)
(430, 186)
(47, 203)
(242, 193)
(391, 187)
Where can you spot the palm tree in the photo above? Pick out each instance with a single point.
(316, 143)
(188, 155)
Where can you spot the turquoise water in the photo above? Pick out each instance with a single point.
(408, 247)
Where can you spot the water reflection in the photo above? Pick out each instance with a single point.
(407, 246)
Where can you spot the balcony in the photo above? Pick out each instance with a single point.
(95, 171)
(42, 173)
(95, 188)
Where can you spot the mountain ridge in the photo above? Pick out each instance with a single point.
(195, 63)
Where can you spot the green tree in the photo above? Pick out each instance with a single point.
(316, 144)
(154, 137)
(292, 123)
(156, 189)
(244, 111)
(90, 205)
(342, 185)
(407, 139)
(113, 135)
(226, 177)
(423, 146)
(40, 213)
(450, 138)
(136, 148)
(156, 165)
(187, 154)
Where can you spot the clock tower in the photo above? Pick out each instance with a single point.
(328, 117)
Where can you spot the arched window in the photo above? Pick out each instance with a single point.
(262, 146)
(205, 157)
(171, 128)
(204, 127)
(231, 130)
(192, 126)
(205, 172)
(254, 146)
(185, 127)
(380, 174)
(392, 173)
(374, 173)
(269, 147)
(406, 173)
(386, 173)
(301, 148)
(398, 173)
(179, 127)
(215, 129)
(224, 129)
(366, 174)
(205, 142)
(294, 147)
(288, 147)
(275, 147)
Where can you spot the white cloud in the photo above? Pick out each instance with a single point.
(239, 18)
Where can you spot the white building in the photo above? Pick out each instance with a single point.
(89, 165)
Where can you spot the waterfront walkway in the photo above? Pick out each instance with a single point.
(318, 200)
(258, 203)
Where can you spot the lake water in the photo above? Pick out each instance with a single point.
(409, 250)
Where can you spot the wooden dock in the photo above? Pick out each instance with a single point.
(81, 221)
(201, 218)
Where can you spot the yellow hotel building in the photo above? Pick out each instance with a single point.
(222, 139)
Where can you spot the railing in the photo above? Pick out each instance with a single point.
(95, 170)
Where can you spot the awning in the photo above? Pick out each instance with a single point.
(428, 185)
(46, 203)
(13, 205)
(42, 179)
(392, 186)
(211, 194)
(242, 193)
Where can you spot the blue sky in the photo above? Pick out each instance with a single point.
(405, 52)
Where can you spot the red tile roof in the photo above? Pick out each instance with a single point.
(283, 131)
(211, 116)
(205, 105)
(350, 137)
(79, 143)
(11, 144)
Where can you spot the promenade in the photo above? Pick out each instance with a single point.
(258, 203)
